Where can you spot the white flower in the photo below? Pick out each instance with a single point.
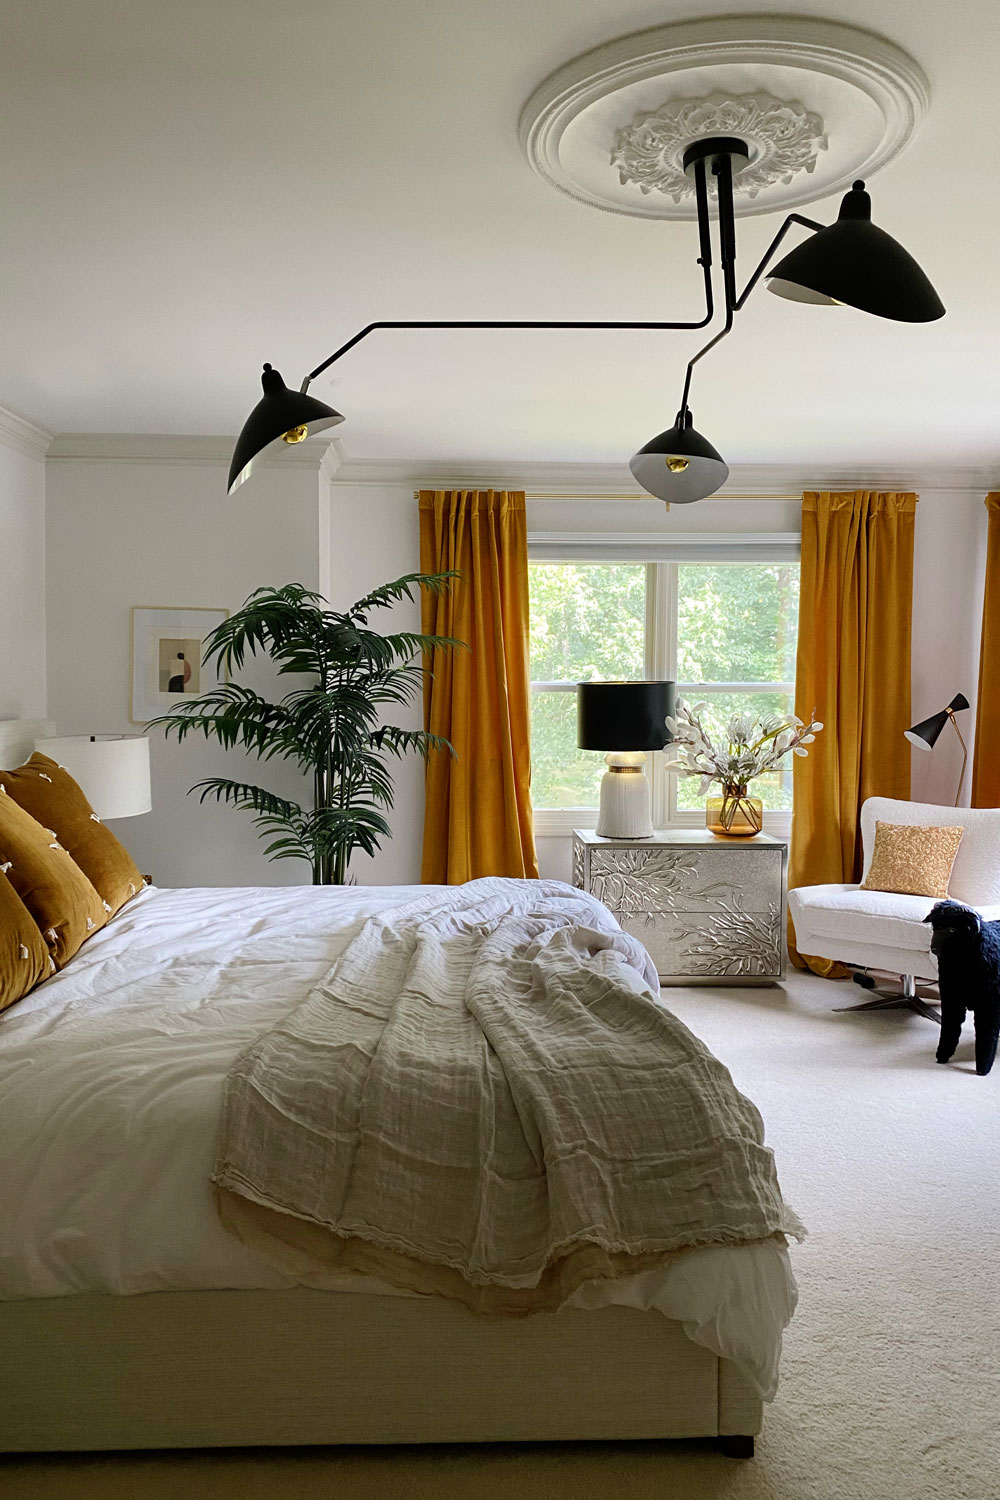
(753, 746)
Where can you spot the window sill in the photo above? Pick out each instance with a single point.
(559, 822)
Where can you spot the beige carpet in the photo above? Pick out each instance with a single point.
(891, 1378)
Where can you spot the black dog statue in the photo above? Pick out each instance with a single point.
(968, 954)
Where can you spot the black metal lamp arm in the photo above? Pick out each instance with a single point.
(704, 260)
(727, 256)
(769, 252)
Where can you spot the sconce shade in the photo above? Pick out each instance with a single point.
(923, 736)
(679, 465)
(111, 771)
(278, 412)
(623, 715)
(855, 262)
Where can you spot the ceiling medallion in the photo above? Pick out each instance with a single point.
(784, 139)
(820, 103)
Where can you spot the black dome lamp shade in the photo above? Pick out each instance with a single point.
(856, 263)
(679, 465)
(280, 417)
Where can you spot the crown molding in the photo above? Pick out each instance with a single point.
(444, 473)
(778, 482)
(170, 448)
(775, 481)
(22, 435)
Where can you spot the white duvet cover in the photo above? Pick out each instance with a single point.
(111, 1078)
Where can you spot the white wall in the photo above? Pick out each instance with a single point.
(374, 537)
(22, 569)
(161, 532)
(949, 566)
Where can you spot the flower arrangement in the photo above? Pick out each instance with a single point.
(754, 747)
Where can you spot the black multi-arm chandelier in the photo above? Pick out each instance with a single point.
(849, 262)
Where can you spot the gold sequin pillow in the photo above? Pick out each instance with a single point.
(912, 861)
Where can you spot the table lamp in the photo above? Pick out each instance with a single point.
(112, 771)
(626, 719)
(923, 736)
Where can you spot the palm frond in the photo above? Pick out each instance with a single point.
(242, 794)
(399, 589)
(399, 741)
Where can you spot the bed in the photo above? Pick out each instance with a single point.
(132, 1320)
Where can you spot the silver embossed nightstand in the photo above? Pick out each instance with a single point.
(709, 910)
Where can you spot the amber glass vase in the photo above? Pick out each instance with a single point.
(734, 815)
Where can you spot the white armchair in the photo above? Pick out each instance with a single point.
(880, 930)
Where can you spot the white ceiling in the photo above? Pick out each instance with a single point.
(191, 187)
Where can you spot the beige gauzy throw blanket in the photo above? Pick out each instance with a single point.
(484, 1099)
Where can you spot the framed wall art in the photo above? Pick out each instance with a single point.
(167, 650)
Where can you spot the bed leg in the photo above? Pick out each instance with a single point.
(736, 1445)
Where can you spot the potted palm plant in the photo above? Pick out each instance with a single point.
(329, 726)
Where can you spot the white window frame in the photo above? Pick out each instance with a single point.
(661, 559)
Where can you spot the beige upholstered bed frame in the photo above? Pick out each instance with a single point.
(220, 1369)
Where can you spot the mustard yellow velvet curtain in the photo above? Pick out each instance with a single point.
(477, 818)
(986, 756)
(853, 669)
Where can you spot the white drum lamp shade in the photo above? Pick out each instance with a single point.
(112, 771)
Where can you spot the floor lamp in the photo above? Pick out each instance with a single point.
(923, 736)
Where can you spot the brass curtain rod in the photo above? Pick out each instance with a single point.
(630, 495)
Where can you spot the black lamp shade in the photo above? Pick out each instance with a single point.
(924, 734)
(855, 262)
(281, 417)
(623, 715)
(679, 465)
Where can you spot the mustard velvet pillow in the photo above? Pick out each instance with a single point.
(912, 861)
(24, 958)
(63, 904)
(54, 799)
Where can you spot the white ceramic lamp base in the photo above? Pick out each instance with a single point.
(626, 809)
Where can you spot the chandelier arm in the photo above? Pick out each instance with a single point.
(704, 260)
(727, 255)
(769, 252)
(723, 171)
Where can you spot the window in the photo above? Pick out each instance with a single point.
(725, 632)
